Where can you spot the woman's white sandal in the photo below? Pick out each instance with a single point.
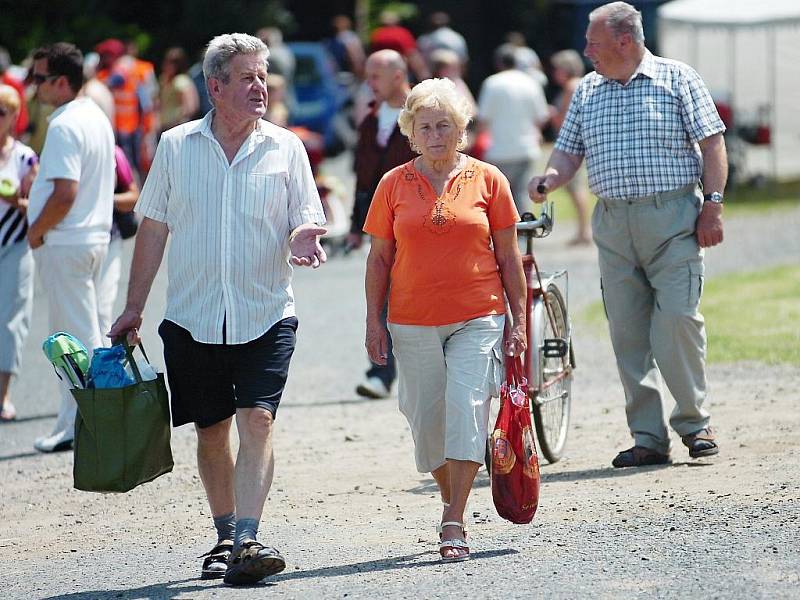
(460, 546)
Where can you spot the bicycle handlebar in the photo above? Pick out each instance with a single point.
(540, 227)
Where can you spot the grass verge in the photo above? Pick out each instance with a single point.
(741, 201)
(749, 316)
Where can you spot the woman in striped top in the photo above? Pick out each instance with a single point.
(18, 167)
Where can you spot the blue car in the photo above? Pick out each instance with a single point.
(320, 99)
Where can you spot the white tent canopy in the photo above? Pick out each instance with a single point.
(731, 13)
(748, 53)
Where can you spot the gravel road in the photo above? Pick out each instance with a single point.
(355, 519)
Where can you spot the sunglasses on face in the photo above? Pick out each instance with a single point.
(39, 78)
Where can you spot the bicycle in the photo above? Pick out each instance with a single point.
(550, 359)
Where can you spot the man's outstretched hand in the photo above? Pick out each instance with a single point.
(304, 246)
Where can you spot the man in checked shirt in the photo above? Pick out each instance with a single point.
(651, 136)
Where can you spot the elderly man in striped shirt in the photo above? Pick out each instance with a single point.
(237, 196)
(650, 135)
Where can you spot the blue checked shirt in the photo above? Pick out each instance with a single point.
(641, 138)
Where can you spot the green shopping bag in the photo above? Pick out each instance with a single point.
(122, 435)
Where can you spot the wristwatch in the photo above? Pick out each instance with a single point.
(714, 197)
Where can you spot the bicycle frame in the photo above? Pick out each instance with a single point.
(538, 312)
(537, 309)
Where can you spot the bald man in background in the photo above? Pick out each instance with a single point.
(380, 147)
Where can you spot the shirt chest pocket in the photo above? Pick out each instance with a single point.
(661, 122)
(651, 111)
(264, 195)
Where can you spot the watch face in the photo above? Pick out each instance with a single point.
(714, 197)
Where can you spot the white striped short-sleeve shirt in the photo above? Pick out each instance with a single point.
(640, 138)
(229, 226)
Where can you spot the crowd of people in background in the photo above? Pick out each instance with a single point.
(142, 99)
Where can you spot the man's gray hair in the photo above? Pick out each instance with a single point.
(621, 18)
(223, 48)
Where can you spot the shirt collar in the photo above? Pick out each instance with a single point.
(203, 126)
(646, 67)
(64, 106)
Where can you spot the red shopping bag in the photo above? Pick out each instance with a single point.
(515, 464)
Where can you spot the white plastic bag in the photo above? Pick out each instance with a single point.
(147, 370)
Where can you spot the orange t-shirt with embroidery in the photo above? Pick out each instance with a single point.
(444, 268)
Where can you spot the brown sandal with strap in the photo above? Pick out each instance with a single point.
(251, 562)
(216, 560)
(701, 443)
(639, 456)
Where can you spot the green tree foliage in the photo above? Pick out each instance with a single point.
(155, 26)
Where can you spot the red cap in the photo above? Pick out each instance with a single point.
(112, 47)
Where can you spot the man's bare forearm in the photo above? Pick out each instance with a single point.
(715, 163)
(151, 240)
(562, 167)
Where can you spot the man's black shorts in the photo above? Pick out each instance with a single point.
(208, 382)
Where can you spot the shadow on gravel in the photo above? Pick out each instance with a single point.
(20, 455)
(157, 591)
(429, 558)
(428, 486)
(334, 402)
(603, 473)
(171, 589)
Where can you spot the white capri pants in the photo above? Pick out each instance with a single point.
(447, 376)
(16, 302)
(70, 275)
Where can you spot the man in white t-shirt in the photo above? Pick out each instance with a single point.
(513, 107)
(70, 209)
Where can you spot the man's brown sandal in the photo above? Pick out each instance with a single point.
(639, 456)
(216, 560)
(251, 562)
(701, 443)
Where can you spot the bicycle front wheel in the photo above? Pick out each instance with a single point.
(550, 402)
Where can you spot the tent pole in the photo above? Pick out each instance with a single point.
(732, 70)
(732, 97)
(773, 109)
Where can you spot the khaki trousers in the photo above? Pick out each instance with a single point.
(651, 270)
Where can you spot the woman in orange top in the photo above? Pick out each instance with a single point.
(444, 249)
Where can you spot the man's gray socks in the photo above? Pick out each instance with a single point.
(226, 526)
(246, 529)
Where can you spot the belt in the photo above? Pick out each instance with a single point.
(656, 199)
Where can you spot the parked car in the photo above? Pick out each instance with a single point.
(321, 100)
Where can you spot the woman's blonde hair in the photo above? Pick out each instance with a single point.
(439, 94)
(9, 97)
